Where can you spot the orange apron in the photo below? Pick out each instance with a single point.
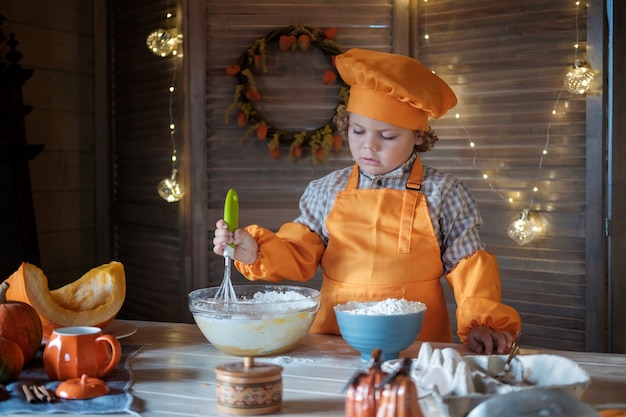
(381, 245)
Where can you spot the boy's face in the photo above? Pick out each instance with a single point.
(379, 147)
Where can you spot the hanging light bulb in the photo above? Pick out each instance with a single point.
(169, 188)
(525, 229)
(162, 42)
(580, 78)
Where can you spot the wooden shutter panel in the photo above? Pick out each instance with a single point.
(146, 228)
(507, 60)
(269, 190)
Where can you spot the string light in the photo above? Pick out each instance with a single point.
(457, 117)
(163, 42)
(530, 223)
(580, 78)
(169, 189)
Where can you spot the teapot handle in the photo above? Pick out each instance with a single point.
(116, 353)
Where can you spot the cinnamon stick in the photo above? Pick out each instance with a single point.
(40, 396)
(50, 397)
(28, 394)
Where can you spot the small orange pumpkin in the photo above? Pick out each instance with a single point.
(20, 323)
(92, 300)
(11, 360)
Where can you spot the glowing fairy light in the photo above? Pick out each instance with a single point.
(578, 81)
(581, 77)
(165, 42)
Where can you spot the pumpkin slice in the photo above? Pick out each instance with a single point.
(92, 300)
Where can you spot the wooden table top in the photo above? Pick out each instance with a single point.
(174, 373)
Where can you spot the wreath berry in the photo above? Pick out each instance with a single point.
(320, 140)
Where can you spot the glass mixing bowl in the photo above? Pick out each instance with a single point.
(265, 320)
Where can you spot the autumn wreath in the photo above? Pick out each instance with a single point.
(253, 60)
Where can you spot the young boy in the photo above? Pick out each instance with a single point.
(387, 227)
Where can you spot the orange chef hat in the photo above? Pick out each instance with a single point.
(393, 88)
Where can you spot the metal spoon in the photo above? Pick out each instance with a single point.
(505, 375)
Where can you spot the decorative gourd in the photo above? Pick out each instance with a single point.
(399, 396)
(11, 360)
(92, 300)
(20, 323)
(363, 396)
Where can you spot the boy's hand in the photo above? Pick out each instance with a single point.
(485, 340)
(246, 248)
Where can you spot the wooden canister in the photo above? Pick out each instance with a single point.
(248, 388)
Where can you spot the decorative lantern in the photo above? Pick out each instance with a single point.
(169, 188)
(580, 78)
(162, 42)
(525, 229)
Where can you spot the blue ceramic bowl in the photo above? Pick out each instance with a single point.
(391, 333)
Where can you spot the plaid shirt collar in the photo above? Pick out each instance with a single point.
(399, 172)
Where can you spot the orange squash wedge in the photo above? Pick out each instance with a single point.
(92, 300)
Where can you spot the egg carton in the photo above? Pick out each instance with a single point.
(451, 385)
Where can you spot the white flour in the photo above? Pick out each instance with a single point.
(388, 307)
(262, 304)
(288, 361)
(273, 296)
(274, 303)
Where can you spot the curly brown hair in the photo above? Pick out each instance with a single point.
(342, 122)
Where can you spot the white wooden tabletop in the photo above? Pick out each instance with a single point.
(174, 373)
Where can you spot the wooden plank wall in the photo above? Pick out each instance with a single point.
(598, 332)
(269, 189)
(147, 229)
(617, 77)
(507, 61)
(56, 40)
